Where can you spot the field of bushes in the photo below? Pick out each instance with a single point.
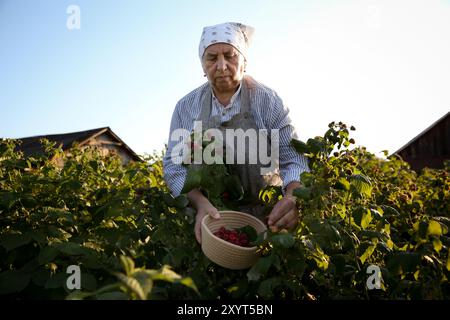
(132, 240)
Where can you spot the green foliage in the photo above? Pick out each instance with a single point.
(76, 209)
(249, 231)
(88, 210)
(217, 181)
(135, 283)
(358, 210)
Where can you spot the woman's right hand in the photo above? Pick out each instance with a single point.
(203, 207)
(202, 211)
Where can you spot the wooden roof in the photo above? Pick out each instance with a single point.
(437, 122)
(32, 145)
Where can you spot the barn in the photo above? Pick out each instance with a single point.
(430, 148)
(103, 138)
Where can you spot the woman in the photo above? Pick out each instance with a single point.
(232, 100)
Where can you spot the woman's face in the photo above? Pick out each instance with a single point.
(224, 66)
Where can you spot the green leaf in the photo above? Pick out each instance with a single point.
(79, 295)
(165, 274)
(71, 248)
(188, 282)
(445, 223)
(91, 261)
(178, 255)
(342, 184)
(234, 186)
(403, 262)
(423, 228)
(389, 211)
(57, 281)
(239, 289)
(295, 264)
(370, 234)
(437, 245)
(115, 210)
(132, 284)
(366, 219)
(47, 254)
(434, 228)
(20, 164)
(88, 281)
(376, 214)
(385, 246)
(58, 233)
(13, 241)
(145, 280)
(307, 178)
(38, 236)
(299, 146)
(30, 266)
(316, 145)
(8, 199)
(13, 281)
(362, 184)
(362, 217)
(181, 201)
(251, 233)
(339, 262)
(57, 213)
(193, 180)
(332, 233)
(40, 277)
(260, 268)
(213, 179)
(260, 238)
(266, 287)
(115, 295)
(368, 248)
(74, 185)
(302, 193)
(127, 264)
(94, 165)
(265, 196)
(447, 265)
(28, 201)
(322, 260)
(283, 240)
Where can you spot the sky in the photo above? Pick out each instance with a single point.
(380, 65)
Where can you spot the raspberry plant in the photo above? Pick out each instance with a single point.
(357, 210)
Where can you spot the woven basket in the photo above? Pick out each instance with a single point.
(224, 253)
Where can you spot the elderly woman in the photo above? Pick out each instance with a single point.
(232, 100)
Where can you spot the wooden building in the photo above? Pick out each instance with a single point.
(430, 148)
(103, 138)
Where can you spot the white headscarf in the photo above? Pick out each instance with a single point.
(236, 34)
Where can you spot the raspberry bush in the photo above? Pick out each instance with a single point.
(357, 210)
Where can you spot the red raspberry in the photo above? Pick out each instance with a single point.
(232, 236)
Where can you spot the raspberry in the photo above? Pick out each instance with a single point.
(233, 236)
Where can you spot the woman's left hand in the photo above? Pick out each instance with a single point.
(284, 214)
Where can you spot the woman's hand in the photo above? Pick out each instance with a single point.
(204, 207)
(284, 214)
(202, 211)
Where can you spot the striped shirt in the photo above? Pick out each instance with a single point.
(269, 113)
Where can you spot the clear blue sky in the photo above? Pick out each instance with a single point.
(382, 66)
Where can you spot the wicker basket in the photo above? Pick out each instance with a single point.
(224, 253)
